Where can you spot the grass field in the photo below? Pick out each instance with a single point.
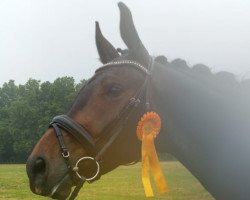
(122, 184)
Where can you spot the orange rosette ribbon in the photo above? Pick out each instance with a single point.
(147, 129)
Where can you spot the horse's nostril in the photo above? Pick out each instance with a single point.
(37, 170)
(39, 166)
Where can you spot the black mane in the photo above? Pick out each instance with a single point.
(222, 81)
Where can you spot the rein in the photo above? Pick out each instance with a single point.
(84, 137)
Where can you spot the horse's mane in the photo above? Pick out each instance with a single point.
(221, 81)
(208, 124)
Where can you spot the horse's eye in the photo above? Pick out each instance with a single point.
(114, 91)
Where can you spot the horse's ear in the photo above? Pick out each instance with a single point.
(130, 35)
(105, 49)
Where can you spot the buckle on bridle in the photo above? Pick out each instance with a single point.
(65, 154)
(76, 168)
(134, 101)
(138, 101)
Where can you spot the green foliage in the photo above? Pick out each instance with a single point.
(26, 110)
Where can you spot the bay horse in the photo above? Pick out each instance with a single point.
(205, 122)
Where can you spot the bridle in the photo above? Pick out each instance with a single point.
(84, 137)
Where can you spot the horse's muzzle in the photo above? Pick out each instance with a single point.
(37, 170)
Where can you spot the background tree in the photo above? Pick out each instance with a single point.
(26, 110)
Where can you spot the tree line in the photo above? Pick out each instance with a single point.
(26, 110)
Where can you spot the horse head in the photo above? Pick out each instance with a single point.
(98, 132)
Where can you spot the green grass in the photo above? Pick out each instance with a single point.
(122, 184)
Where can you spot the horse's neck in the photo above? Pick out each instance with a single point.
(206, 132)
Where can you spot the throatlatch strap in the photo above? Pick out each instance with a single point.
(147, 129)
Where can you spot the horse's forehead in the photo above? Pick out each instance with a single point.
(121, 74)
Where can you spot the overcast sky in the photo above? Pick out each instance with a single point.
(46, 39)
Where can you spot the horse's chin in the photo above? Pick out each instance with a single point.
(62, 189)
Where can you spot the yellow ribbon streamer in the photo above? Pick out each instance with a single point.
(147, 130)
